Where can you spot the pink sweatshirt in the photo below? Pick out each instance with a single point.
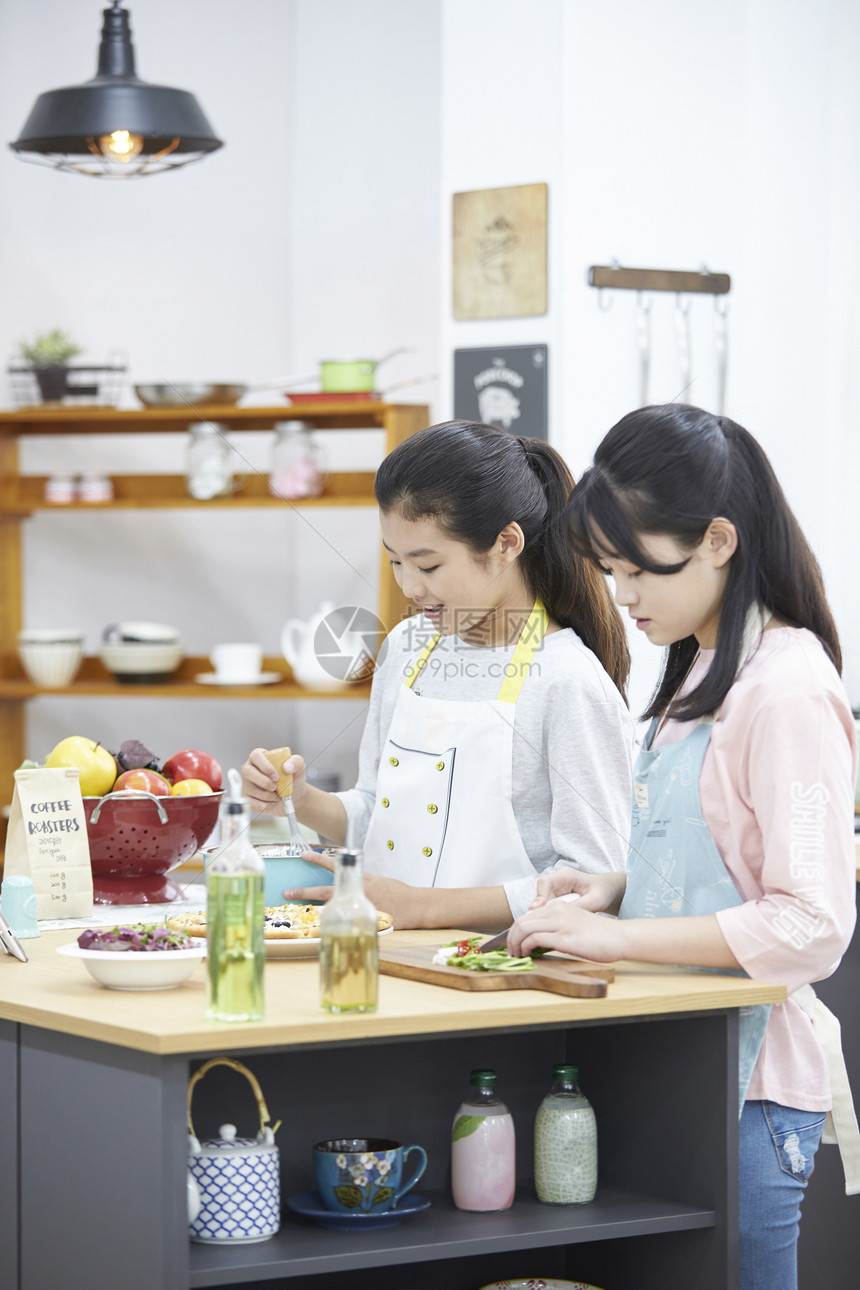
(777, 794)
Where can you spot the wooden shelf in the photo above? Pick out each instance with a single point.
(162, 492)
(95, 680)
(58, 420)
(22, 496)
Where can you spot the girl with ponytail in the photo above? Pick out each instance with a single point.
(742, 854)
(497, 745)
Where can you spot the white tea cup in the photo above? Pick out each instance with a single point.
(236, 664)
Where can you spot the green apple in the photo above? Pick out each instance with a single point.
(96, 764)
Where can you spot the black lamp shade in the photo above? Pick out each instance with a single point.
(66, 125)
(63, 120)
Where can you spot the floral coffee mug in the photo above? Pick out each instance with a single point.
(363, 1175)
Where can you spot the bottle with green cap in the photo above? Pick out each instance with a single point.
(565, 1142)
(483, 1148)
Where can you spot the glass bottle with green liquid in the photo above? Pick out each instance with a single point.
(234, 916)
(349, 957)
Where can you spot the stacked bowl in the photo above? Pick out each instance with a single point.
(141, 653)
(51, 656)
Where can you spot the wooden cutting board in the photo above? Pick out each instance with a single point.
(557, 975)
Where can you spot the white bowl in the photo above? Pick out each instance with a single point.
(141, 661)
(137, 969)
(50, 658)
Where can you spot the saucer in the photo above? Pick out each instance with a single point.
(262, 678)
(310, 1205)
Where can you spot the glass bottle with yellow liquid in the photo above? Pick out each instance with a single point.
(349, 960)
(234, 918)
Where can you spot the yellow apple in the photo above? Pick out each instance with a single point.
(96, 764)
(190, 788)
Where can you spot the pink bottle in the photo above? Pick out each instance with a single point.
(483, 1151)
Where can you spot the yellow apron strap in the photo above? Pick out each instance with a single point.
(841, 1123)
(418, 666)
(518, 668)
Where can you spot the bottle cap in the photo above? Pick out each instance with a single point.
(565, 1072)
(483, 1078)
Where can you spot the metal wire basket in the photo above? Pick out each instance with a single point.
(80, 384)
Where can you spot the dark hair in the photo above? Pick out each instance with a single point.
(673, 469)
(475, 479)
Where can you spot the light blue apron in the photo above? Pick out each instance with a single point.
(674, 868)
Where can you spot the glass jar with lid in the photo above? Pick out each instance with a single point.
(209, 472)
(297, 462)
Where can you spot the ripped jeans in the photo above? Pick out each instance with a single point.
(777, 1150)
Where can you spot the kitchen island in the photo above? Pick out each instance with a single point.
(95, 1082)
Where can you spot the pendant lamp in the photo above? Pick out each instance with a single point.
(116, 126)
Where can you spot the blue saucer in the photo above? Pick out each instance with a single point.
(310, 1205)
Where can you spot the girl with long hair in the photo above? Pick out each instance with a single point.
(497, 744)
(742, 843)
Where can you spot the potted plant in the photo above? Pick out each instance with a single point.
(49, 354)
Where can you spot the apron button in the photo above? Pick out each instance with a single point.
(440, 765)
(432, 809)
(385, 801)
(390, 845)
(392, 761)
(427, 851)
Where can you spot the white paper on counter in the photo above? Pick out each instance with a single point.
(193, 898)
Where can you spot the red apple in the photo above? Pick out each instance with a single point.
(146, 781)
(193, 764)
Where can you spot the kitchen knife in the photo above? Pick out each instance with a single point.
(499, 942)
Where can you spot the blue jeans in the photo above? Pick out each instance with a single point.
(777, 1150)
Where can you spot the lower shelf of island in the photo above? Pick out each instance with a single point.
(302, 1249)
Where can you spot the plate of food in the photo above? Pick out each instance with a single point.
(290, 931)
(136, 956)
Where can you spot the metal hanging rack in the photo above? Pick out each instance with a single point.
(682, 283)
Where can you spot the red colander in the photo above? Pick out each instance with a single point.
(136, 838)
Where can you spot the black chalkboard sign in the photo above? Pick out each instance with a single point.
(504, 387)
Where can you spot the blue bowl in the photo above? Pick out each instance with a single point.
(291, 871)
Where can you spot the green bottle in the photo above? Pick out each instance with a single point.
(565, 1143)
(234, 916)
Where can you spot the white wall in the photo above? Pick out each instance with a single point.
(312, 234)
(676, 134)
(670, 134)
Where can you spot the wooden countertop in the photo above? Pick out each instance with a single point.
(58, 994)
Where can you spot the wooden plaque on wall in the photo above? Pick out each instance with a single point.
(500, 252)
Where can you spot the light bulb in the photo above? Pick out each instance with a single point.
(120, 145)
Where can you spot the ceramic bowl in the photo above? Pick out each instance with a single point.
(51, 657)
(539, 1283)
(285, 870)
(137, 970)
(141, 662)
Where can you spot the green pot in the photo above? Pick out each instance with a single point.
(348, 376)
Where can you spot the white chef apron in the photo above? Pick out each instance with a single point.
(443, 815)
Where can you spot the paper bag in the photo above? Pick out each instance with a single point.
(47, 841)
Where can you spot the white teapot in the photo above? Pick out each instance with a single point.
(322, 655)
(235, 1197)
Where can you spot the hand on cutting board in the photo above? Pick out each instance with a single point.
(260, 782)
(567, 926)
(596, 891)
